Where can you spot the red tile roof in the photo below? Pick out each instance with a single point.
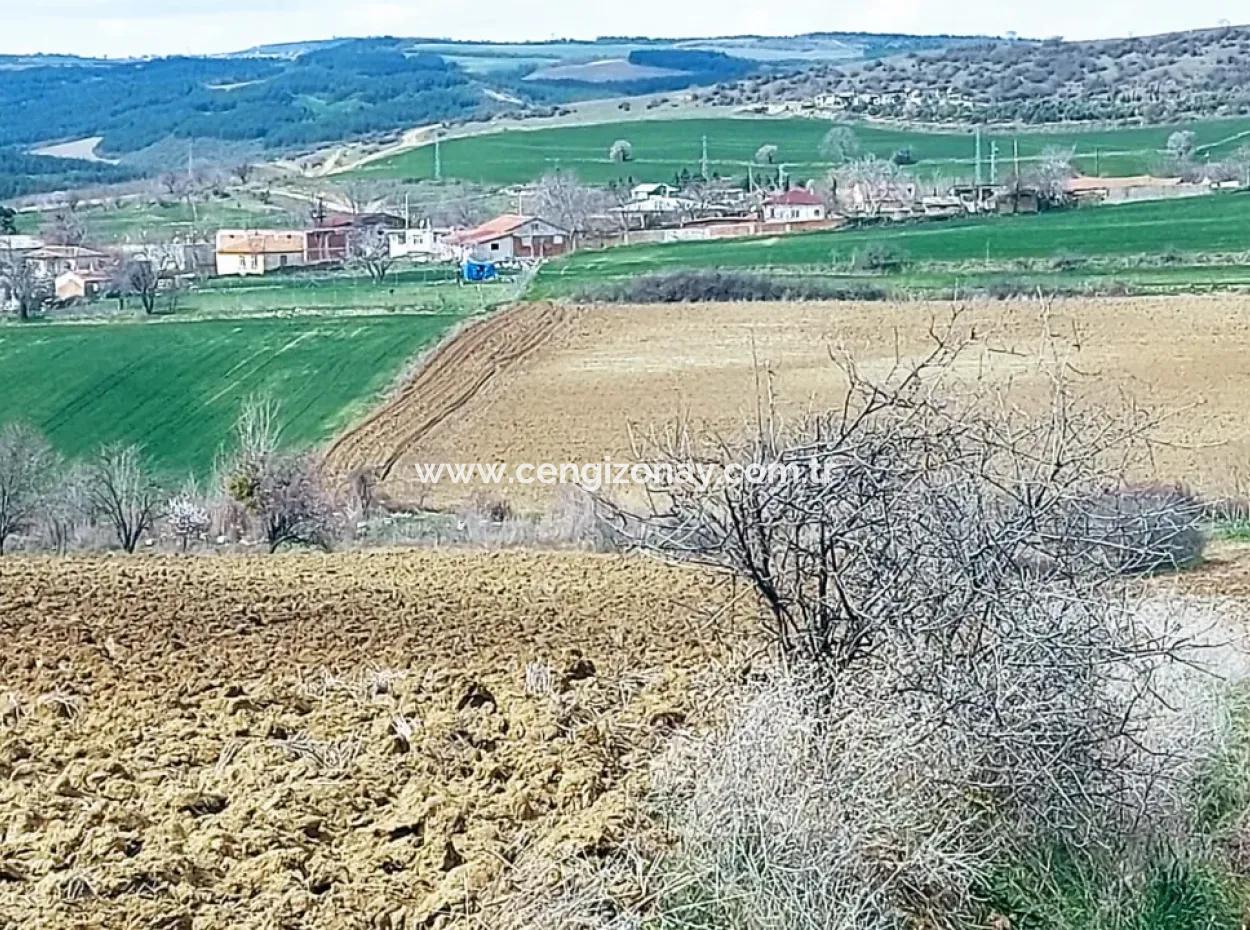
(796, 198)
(497, 228)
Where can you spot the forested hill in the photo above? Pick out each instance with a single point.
(301, 94)
(1204, 72)
(330, 93)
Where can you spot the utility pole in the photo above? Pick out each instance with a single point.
(978, 172)
(1016, 159)
(750, 177)
(703, 163)
(993, 162)
(438, 158)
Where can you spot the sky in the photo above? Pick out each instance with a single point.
(120, 28)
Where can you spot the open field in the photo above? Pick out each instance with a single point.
(610, 369)
(663, 148)
(1181, 230)
(133, 221)
(433, 289)
(176, 387)
(213, 742)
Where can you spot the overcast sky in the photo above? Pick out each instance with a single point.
(139, 27)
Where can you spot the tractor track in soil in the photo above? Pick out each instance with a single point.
(454, 374)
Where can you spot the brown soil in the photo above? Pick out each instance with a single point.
(605, 369)
(457, 372)
(215, 742)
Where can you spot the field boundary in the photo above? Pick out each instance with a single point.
(445, 380)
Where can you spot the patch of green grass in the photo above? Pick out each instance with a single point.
(1065, 889)
(435, 289)
(176, 387)
(664, 147)
(133, 221)
(1232, 531)
(963, 250)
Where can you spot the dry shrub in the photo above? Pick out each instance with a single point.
(726, 286)
(861, 803)
(1143, 528)
(946, 577)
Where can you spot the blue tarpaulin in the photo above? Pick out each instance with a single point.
(479, 271)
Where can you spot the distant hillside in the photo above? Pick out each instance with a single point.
(297, 95)
(1153, 78)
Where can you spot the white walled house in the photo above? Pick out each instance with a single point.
(418, 243)
(255, 252)
(794, 206)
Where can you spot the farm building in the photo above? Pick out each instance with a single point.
(19, 244)
(54, 260)
(332, 240)
(510, 237)
(255, 252)
(80, 285)
(794, 206)
(655, 210)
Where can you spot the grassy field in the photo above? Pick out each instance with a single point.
(433, 289)
(1101, 238)
(132, 221)
(662, 148)
(176, 387)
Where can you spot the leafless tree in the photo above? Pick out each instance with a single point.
(243, 171)
(142, 275)
(293, 505)
(27, 471)
(284, 492)
(1050, 173)
(864, 185)
(64, 226)
(66, 508)
(175, 183)
(123, 493)
(766, 155)
(963, 546)
(25, 289)
(369, 249)
(563, 200)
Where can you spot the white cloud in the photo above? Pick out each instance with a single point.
(130, 27)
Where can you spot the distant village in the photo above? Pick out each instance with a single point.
(645, 213)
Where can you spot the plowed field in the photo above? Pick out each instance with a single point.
(327, 741)
(455, 375)
(575, 396)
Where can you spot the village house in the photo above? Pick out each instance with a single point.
(81, 285)
(332, 241)
(19, 245)
(794, 206)
(51, 261)
(511, 237)
(418, 243)
(259, 251)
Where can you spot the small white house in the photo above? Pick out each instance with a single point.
(418, 244)
(794, 206)
(255, 252)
